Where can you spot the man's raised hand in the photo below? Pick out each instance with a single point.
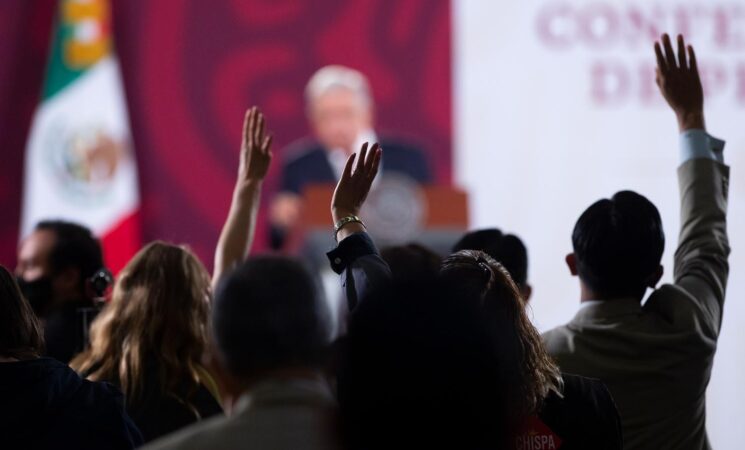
(679, 82)
(256, 144)
(355, 182)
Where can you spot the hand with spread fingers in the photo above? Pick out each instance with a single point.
(353, 187)
(679, 82)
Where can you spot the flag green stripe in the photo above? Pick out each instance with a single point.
(59, 75)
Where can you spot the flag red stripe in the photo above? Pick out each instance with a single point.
(121, 242)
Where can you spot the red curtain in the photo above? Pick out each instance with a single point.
(191, 68)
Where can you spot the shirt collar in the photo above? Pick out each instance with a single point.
(283, 389)
(595, 310)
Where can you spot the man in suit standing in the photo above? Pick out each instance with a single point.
(340, 110)
(655, 358)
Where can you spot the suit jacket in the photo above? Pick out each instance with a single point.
(276, 415)
(310, 165)
(656, 359)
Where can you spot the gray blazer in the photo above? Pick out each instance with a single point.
(656, 359)
(276, 415)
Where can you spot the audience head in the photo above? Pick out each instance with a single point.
(507, 249)
(55, 263)
(618, 245)
(157, 319)
(419, 369)
(477, 280)
(268, 318)
(446, 358)
(339, 106)
(20, 333)
(411, 261)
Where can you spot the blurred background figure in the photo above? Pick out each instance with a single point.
(341, 113)
(60, 271)
(45, 403)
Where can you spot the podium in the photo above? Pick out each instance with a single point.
(397, 212)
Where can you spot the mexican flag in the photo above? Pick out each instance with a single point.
(80, 164)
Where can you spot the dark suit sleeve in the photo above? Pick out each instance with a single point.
(416, 165)
(407, 160)
(423, 172)
(292, 178)
(361, 268)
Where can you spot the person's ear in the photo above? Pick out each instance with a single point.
(526, 290)
(656, 276)
(571, 260)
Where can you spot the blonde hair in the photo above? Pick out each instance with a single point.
(158, 315)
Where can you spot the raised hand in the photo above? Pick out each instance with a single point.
(355, 182)
(679, 82)
(256, 146)
(238, 231)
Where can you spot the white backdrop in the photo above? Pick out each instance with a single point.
(556, 107)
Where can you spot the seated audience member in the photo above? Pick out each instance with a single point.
(271, 330)
(656, 358)
(55, 265)
(411, 261)
(151, 338)
(506, 249)
(340, 110)
(45, 404)
(449, 359)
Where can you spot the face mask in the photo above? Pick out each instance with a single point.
(37, 292)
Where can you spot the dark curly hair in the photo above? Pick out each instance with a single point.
(478, 279)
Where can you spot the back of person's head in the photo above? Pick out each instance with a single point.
(507, 249)
(75, 247)
(411, 261)
(618, 245)
(20, 332)
(157, 320)
(476, 279)
(419, 369)
(268, 316)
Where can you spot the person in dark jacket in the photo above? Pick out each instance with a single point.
(452, 359)
(45, 404)
(57, 262)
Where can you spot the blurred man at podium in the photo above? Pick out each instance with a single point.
(340, 111)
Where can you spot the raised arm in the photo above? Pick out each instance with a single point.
(355, 257)
(237, 233)
(701, 266)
